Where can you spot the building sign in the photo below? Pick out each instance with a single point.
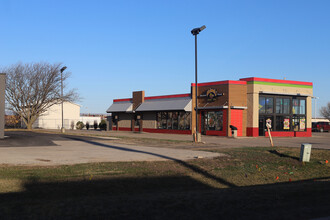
(302, 124)
(286, 124)
(211, 95)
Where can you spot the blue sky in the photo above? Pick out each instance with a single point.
(115, 47)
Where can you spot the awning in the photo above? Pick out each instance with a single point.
(179, 104)
(120, 107)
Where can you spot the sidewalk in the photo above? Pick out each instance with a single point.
(319, 140)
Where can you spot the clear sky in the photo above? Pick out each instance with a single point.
(115, 47)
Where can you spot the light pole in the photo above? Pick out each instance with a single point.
(315, 98)
(62, 69)
(195, 32)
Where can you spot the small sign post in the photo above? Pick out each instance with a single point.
(269, 126)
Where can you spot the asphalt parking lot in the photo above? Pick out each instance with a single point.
(31, 148)
(35, 148)
(318, 140)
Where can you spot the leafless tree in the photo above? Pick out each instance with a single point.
(325, 111)
(32, 88)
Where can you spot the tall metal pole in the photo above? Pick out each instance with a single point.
(62, 129)
(196, 31)
(62, 69)
(315, 100)
(196, 95)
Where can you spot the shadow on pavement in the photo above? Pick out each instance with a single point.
(33, 139)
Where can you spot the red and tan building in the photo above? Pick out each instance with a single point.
(246, 104)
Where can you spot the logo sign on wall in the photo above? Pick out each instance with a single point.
(211, 95)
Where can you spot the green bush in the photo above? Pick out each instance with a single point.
(103, 125)
(80, 125)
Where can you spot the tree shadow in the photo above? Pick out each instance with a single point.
(165, 197)
(283, 155)
(181, 162)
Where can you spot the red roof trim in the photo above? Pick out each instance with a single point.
(277, 81)
(167, 96)
(226, 82)
(122, 100)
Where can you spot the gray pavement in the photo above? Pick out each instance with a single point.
(318, 140)
(30, 148)
(51, 148)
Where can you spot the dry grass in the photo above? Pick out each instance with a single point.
(243, 184)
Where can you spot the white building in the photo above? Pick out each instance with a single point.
(52, 118)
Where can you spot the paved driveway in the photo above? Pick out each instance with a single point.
(29, 148)
(319, 140)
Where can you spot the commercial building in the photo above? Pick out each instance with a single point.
(52, 118)
(247, 104)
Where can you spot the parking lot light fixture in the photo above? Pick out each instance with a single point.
(195, 32)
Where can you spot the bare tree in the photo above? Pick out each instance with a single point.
(32, 88)
(325, 111)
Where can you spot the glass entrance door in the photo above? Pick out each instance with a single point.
(203, 122)
(262, 124)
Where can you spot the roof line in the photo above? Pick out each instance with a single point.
(251, 79)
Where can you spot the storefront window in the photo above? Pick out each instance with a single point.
(159, 119)
(289, 112)
(302, 124)
(219, 121)
(266, 105)
(283, 123)
(262, 102)
(187, 121)
(269, 105)
(299, 123)
(164, 120)
(302, 106)
(214, 121)
(295, 106)
(282, 106)
(173, 120)
(169, 120)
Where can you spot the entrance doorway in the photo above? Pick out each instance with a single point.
(211, 122)
(203, 122)
(262, 124)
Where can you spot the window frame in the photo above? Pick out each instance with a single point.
(171, 120)
(289, 115)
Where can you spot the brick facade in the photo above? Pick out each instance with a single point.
(237, 102)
